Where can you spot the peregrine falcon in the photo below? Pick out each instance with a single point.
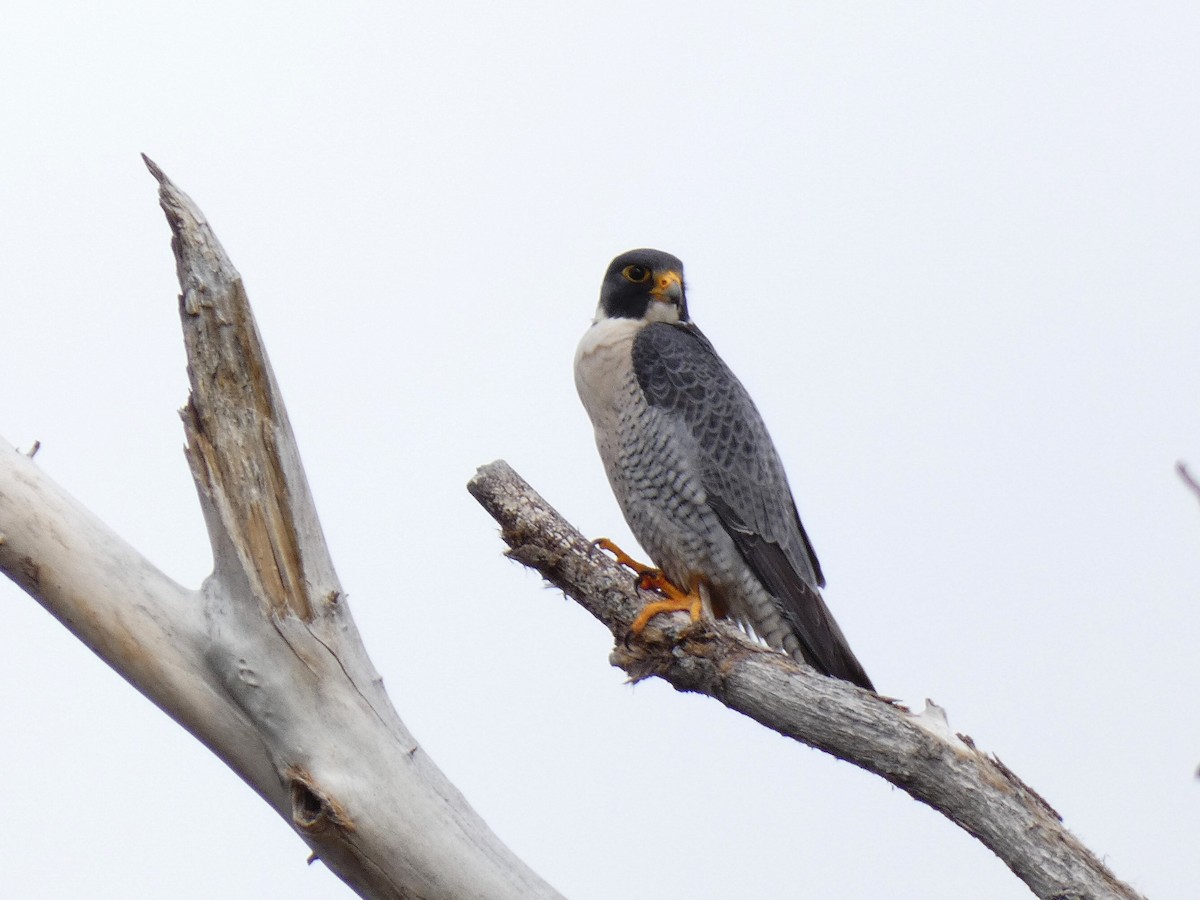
(695, 472)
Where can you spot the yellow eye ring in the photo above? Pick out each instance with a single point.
(636, 274)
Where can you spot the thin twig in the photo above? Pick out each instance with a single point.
(1188, 479)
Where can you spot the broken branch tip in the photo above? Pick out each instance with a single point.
(158, 174)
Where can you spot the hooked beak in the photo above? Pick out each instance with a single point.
(668, 287)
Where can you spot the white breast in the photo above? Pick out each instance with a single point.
(603, 369)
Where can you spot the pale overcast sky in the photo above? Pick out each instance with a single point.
(950, 248)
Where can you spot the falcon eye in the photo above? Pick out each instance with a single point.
(636, 274)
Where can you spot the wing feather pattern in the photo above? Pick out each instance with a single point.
(680, 373)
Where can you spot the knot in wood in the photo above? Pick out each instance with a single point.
(313, 811)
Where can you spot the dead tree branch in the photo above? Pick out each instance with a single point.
(917, 753)
(262, 663)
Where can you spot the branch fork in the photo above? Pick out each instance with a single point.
(262, 663)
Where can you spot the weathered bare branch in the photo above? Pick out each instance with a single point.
(918, 753)
(263, 663)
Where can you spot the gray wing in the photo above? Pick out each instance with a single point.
(680, 373)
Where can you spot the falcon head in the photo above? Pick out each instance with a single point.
(644, 284)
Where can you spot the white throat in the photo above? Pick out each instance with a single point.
(655, 312)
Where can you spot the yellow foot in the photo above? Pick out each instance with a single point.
(624, 559)
(652, 579)
(676, 600)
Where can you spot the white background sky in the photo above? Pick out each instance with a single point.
(950, 248)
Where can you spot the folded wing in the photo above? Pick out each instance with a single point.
(682, 376)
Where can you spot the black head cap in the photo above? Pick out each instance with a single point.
(644, 283)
